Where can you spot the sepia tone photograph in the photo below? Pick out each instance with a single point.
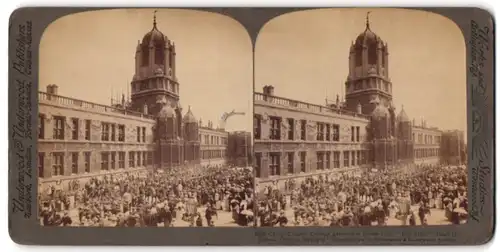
(360, 119)
(144, 120)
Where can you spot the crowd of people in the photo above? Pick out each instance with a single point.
(405, 194)
(192, 196)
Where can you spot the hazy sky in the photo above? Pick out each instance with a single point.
(305, 55)
(89, 54)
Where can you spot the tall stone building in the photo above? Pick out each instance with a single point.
(79, 139)
(294, 139)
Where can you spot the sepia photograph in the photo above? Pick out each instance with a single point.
(360, 119)
(145, 120)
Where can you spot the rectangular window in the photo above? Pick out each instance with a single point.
(319, 131)
(113, 132)
(104, 161)
(353, 159)
(346, 158)
(138, 134)
(320, 160)
(303, 161)
(113, 160)
(139, 159)
(357, 134)
(327, 162)
(87, 129)
(86, 156)
(336, 159)
(74, 128)
(121, 160)
(131, 159)
(58, 164)
(143, 134)
(291, 128)
(335, 132)
(121, 133)
(327, 134)
(274, 165)
(275, 130)
(303, 129)
(59, 122)
(74, 163)
(258, 163)
(41, 126)
(353, 134)
(290, 163)
(105, 131)
(41, 164)
(358, 157)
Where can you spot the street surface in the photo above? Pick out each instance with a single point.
(437, 217)
(224, 219)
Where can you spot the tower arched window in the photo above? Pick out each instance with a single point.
(170, 127)
(383, 57)
(372, 53)
(145, 56)
(159, 54)
(171, 59)
(359, 56)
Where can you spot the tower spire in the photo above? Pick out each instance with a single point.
(368, 20)
(154, 18)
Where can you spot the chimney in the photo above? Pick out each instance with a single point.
(52, 89)
(270, 90)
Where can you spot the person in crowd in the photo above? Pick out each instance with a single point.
(407, 194)
(177, 197)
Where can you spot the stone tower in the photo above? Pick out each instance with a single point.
(368, 78)
(155, 80)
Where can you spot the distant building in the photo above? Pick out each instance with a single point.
(79, 139)
(453, 147)
(294, 139)
(240, 148)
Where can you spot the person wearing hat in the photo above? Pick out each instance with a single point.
(282, 220)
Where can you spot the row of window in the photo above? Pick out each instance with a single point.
(109, 161)
(212, 140)
(324, 160)
(210, 154)
(324, 131)
(425, 153)
(108, 130)
(426, 139)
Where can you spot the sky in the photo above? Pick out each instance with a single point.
(304, 55)
(89, 55)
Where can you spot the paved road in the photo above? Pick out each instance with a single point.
(437, 217)
(224, 219)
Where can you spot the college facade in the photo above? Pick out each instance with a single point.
(78, 139)
(364, 131)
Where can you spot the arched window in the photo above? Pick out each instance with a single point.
(383, 56)
(159, 54)
(359, 56)
(170, 128)
(170, 59)
(372, 53)
(145, 56)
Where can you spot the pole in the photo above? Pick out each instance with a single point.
(459, 149)
(246, 151)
